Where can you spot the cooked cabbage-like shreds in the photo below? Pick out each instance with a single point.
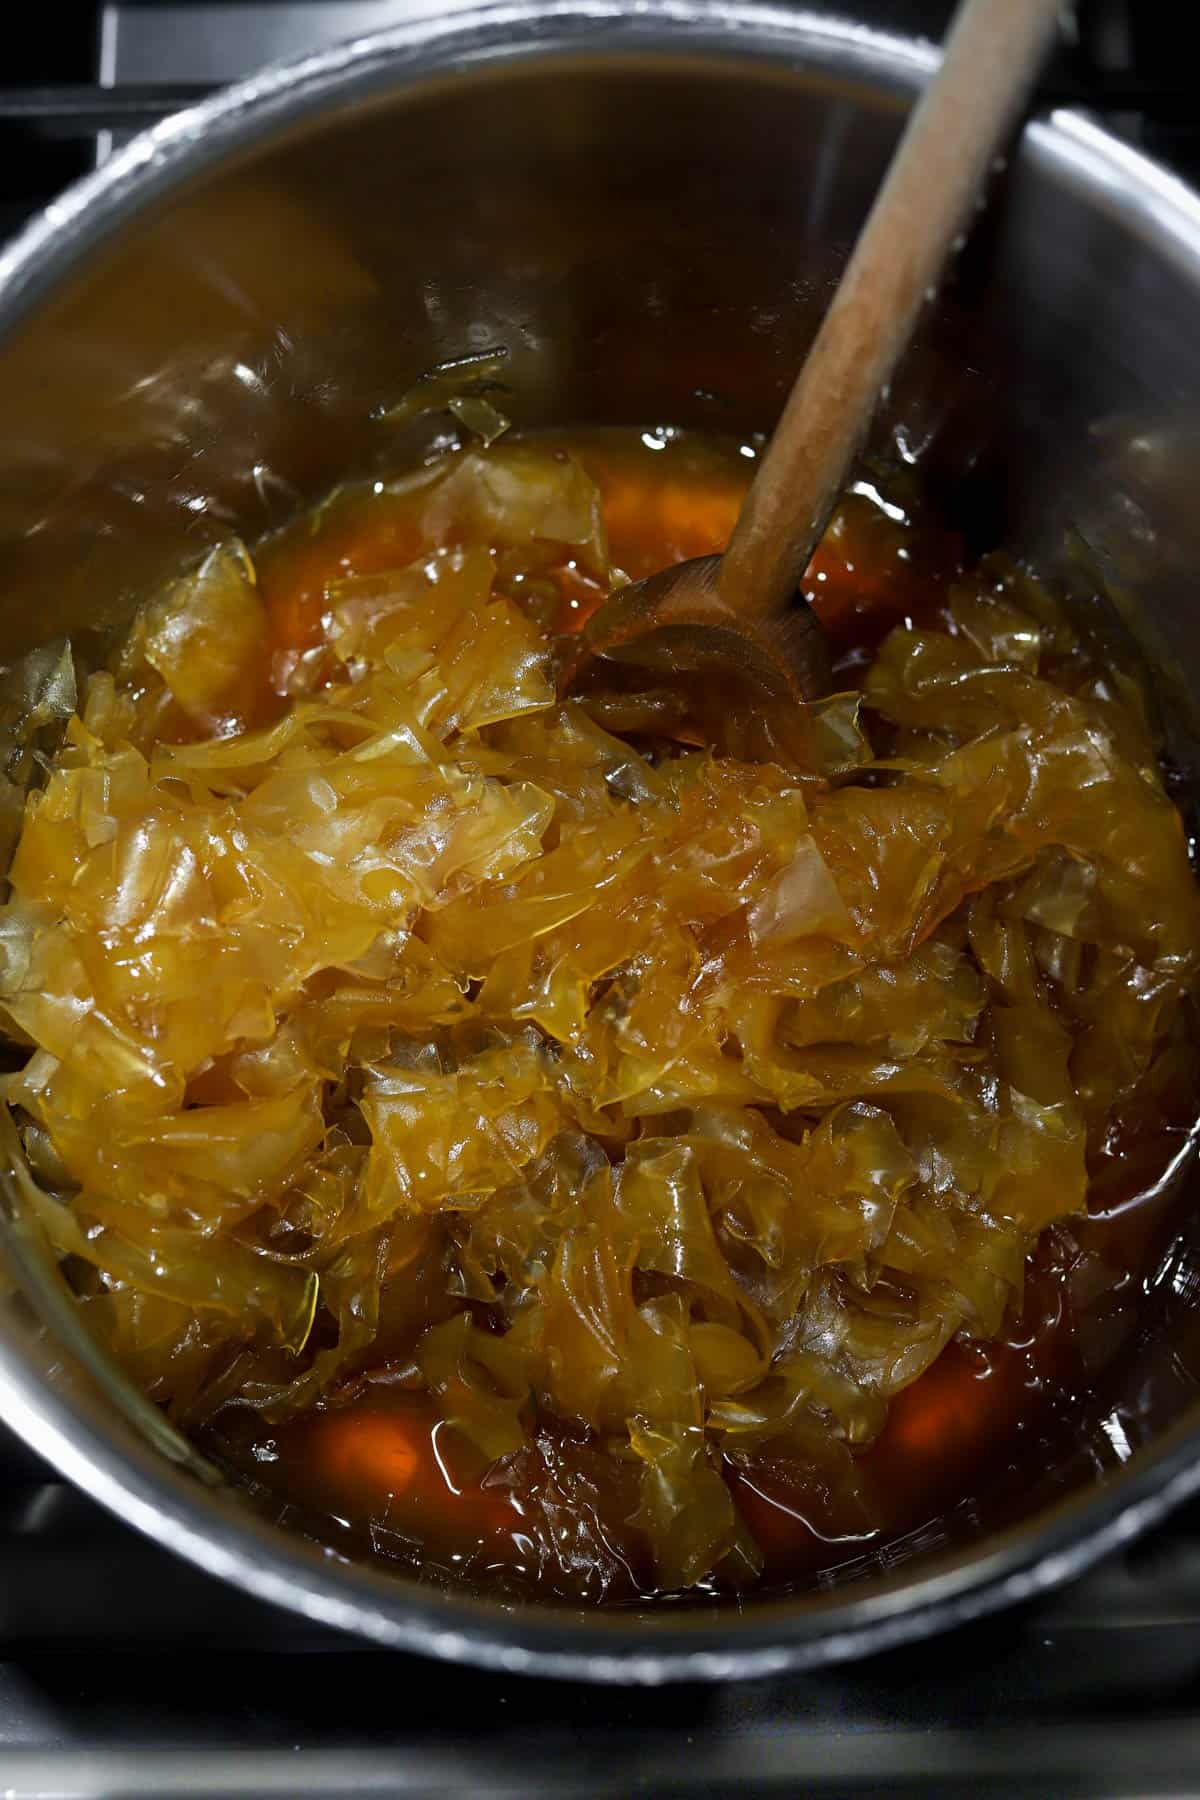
(690, 1103)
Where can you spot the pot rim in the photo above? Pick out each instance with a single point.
(170, 1506)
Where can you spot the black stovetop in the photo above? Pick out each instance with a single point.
(124, 1672)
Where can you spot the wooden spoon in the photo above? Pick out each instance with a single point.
(741, 614)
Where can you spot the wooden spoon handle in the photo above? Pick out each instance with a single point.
(991, 60)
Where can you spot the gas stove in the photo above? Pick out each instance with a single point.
(124, 1672)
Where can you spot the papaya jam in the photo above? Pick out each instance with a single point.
(542, 1151)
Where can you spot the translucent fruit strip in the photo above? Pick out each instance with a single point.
(385, 1010)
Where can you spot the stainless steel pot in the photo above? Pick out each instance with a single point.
(647, 203)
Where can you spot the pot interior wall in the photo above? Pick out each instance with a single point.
(651, 239)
